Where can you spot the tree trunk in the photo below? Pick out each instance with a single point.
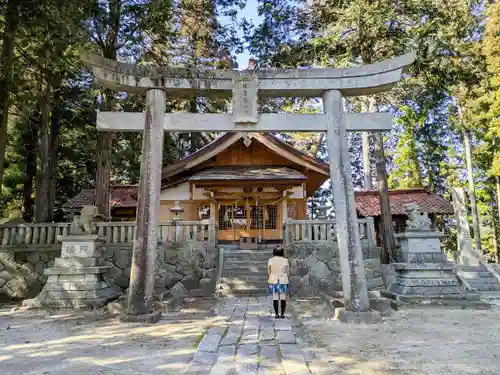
(6, 66)
(389, 250)
(43, 183)
(195, 138)
(105, 139)
(367, 168)
(390, 254)
(103, 173)
(494, 228)
(29, 137)
(104, 144)
(55, 122)
(497, 253)
(472, 192)
(317, 149)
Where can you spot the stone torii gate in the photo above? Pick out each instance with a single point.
(246, 87)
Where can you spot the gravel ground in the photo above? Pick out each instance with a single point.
(416, 342)
(94, 343)
(427, 341)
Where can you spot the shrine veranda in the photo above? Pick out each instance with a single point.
(245, 87)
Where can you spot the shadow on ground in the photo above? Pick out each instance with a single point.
(42, 342)
(416, 342)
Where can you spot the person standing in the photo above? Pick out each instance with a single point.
(278, 269)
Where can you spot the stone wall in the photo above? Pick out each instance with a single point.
(119, 258)
(315, 267)
(187, 269)
(181, 269)
(21, 272)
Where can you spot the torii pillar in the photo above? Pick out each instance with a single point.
(142, 272)
(246, 87)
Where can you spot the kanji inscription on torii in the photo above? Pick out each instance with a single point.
(246, 87)
(245, 98)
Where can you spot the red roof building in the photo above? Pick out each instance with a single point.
(368, 205)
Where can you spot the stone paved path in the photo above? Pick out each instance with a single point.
(250, 341)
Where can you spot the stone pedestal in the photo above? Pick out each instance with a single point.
(426, 278)
(76, 280)
(424, 271)
(422, 246)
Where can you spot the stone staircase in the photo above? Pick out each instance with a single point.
(479, 278)
(245, 271)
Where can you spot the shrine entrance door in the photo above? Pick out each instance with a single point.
(251, 220)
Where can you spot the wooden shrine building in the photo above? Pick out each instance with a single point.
(368, 205)
(249, 183)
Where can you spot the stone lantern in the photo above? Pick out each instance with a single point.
(177, 212)
(177, 216)
(322, 212)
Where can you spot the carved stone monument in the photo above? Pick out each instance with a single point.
(420, 244)
(426, 277)
(245, 88)
(77, 278)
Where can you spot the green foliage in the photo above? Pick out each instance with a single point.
(453, 85)
(143, 31)
(425, 147)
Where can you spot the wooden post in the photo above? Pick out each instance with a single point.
(142, 275)
(284, 211)
(372, 237)
(5, 236)
(350, 252)
(212, 232)
(213, 207)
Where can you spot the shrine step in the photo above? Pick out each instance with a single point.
(479, 278)
(239, 261)
(486, 287)
(475, 274)
(250, 267)
(245, 271)
(247, 280)
(249, 292)
(245, 254)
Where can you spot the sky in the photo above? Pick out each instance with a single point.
(250, 13)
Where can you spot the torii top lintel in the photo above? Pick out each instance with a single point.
(361, 80)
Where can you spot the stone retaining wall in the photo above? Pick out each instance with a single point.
(187, 269)
(181, 269)
(315, 267)
(21, 273)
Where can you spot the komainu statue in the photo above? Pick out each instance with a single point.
(85, 222)
(416, 219)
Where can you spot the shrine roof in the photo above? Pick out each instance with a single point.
(122, 196)
(182, 170)
(226, 140)
(368, 203)
(257, 173)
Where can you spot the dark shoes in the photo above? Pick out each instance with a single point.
(283, 306)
